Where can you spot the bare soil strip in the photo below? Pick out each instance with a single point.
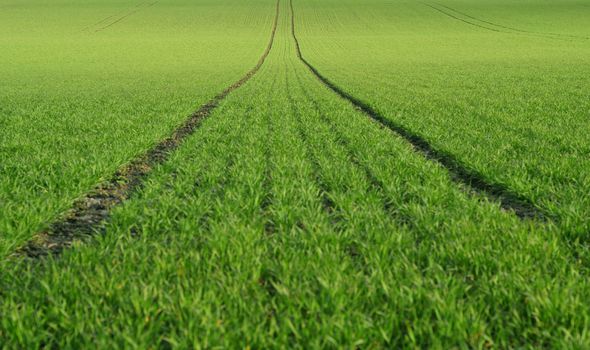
(89, 213)
(468, 179)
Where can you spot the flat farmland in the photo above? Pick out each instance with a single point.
(294, 174)
(88, 86)
(496, 87)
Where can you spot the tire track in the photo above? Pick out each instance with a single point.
(466, 178)
(89, 213)
(464, 21)
(125, 16)
(373, 182)
(118, 16)
(511, 28)
(494, 28)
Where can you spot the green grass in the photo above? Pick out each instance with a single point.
(512, 105)
(75, 104)
(291, 219)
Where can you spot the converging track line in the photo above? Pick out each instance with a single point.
(454, 14)
(89, 213)
(467, 178)
(511, 28)
(118, 17)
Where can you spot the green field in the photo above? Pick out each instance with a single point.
(77, 101)
(391, 174)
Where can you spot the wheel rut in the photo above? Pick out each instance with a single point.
(498, 28)
(88, 214)
(467, 178)
(563, 36)
(118, 17)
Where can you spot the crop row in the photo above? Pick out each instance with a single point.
(292, 219)
(509, 107)
(75, 105)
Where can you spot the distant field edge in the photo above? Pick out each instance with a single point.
(495, 27)
(467, 178)
(88, 214)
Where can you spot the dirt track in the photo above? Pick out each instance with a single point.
(88, 214)
(466, 178)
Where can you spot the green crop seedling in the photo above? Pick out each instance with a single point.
(376, 174)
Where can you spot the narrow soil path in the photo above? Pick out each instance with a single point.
(467, 178)
(89, 213)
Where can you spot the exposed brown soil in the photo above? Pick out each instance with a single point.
(89, 213)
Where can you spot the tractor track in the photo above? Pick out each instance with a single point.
(569, 36)
(467, 179)
(118, 17)
(89, 213)
(465, 21)
(495, 27)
